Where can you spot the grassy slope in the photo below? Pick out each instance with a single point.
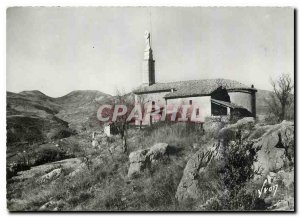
(98, 180)
(102, 184)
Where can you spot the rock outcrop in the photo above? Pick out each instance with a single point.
(193, 184)
(140, 159)
(157, 151)
(275, 159)
(277, 147)
(54, 174)
(138, 162)
(241, 127)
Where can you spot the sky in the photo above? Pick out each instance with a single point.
(60, 49)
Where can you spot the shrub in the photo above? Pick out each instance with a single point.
(235, 171)
(61, 133)
(13, 169)
(237, 167)
(49, 154)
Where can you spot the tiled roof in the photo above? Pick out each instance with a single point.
(192, 87)
(227, 104)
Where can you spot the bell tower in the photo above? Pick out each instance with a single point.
(148, 63)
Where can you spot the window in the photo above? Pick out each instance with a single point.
(191, 102)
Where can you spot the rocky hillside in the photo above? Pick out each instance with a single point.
(240, 166)
(272, 147)
(31, 117)
(35, 118)
(36, 115)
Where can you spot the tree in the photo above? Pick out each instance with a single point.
(121, 107)
(142, 100)
(282, 97)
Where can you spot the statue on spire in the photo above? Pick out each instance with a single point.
(149, 62)
(147, 38)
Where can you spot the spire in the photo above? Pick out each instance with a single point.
(148, 66)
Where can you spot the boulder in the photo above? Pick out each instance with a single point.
(138, 156)
(281, 205)
(213, 125)
(140, 159)
(54, 174)
(52, 205)
(193, 184)
(157, 151)
(277, 147)
(47, 206)
(245, 121)
(286, 177)
(242, 126)
(137, 161)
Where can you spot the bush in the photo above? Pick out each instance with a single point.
(235, 170)
(49, 154)
(13, 169)
(237, 167)
(63, 134)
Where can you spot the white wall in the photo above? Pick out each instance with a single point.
(242, 99)
(147, 99)
(203, 102)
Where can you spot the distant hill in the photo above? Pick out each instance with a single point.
(31, 102)
(33, 116)
(80, 97)
(261, 104)
(79, 108)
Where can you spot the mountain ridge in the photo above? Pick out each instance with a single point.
(32, 115)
